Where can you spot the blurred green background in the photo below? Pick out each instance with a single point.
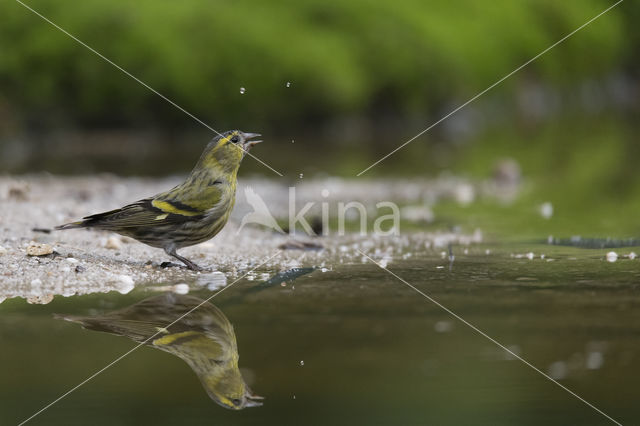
(333, 86)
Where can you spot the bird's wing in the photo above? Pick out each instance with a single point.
(190, 199)
(147, 212)
(133, 329)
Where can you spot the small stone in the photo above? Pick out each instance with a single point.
(125, 284)
(594, 360)
(18, 193)
(417, 214)
(3, 250)
(443, 326)
(558, 370)
(72, 260)
(181, 288)
(42, 299)
(546, 210)
(80, 268)
(39, 249)
(113, 243)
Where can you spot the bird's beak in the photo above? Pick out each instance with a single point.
(253, 401)
(249, 143)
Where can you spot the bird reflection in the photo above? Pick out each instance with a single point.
(204, 339)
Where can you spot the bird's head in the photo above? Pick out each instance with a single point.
(227, 150)
(225, 385)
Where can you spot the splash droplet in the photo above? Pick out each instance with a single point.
(293, 141)
(288, 84)
(242, 90)
(301, 175)
(301, 363)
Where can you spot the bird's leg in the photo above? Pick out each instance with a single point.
(190, 264)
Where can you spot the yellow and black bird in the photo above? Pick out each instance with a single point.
(203, 338)
(192, 212)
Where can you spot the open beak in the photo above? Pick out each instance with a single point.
(253, 401)
(249, 143)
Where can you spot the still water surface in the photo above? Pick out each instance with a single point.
(354, 345)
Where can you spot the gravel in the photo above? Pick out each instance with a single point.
(37, 262)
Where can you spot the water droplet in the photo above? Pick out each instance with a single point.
(443, 326)
(242, 90)
(288, 84)
(325, 193)
(301, 175)
(293, 141)
(301, 363)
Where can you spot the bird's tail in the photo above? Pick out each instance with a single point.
(72, 225)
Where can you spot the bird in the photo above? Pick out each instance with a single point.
(191, 212)
(190, 328)
(260, 214)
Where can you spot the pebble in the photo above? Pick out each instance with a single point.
(213, 280)
(72, 260)
(546, 210)
(42, 299)
(181, 288)
(2, 250)
(113, 243)
(125, 284)
(417, 214)
(443, 326)
(594, 360)
(558, 370)
(39, 249)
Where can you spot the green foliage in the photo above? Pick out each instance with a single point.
(341, 57)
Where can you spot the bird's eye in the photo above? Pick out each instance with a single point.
(235, 139)
(236, 401)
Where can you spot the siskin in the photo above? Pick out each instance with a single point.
(204, 339)
(192, 212)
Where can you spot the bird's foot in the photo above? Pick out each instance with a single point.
(191, 266)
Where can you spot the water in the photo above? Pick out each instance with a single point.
(374, 350)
